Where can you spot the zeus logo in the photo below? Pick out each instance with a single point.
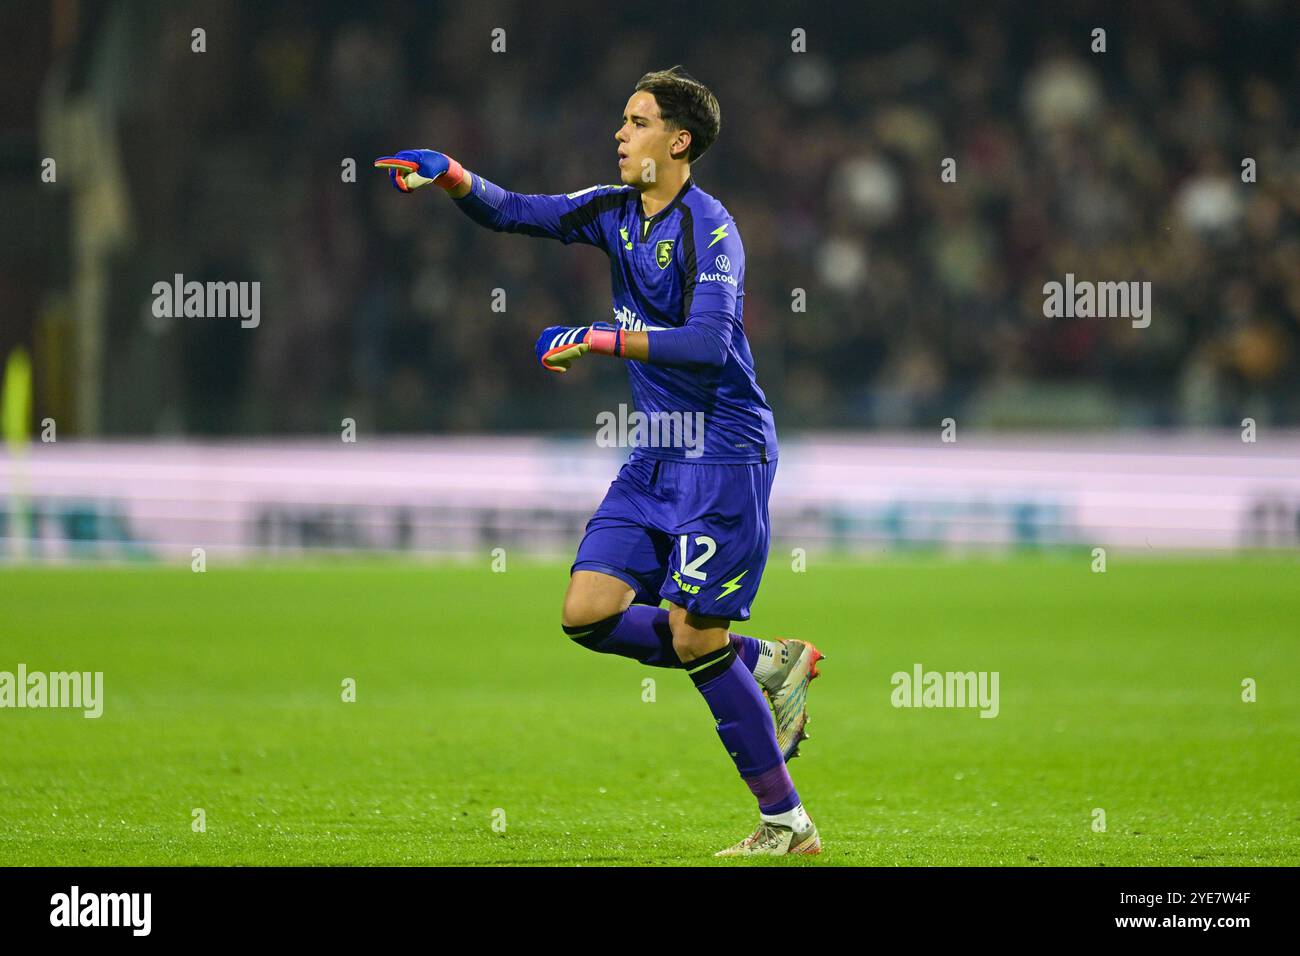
(716, 277)
(718, 235)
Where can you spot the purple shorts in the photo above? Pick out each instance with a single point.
(694, 533)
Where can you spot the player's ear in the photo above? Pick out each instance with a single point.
(680, 147)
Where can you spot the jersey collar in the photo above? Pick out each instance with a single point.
(645, 223)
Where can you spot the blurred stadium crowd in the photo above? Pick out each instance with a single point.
(924, 299)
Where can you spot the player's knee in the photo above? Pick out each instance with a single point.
(694, 637)
(592, 598)
(687, 646)
(588, 622)
(696, 644)
(583, 610)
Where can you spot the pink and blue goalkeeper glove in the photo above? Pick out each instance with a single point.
(560, 345)
(412, 168)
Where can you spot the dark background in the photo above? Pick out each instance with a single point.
(924, 298)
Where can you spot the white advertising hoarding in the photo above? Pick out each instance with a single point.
(465, 496)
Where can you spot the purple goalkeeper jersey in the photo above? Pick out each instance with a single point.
(680, 269)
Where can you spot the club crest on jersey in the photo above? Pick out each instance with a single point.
(664, 252)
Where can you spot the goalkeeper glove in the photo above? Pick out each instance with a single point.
(560, 345)
(413, 168)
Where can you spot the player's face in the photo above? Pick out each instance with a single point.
(644, 141)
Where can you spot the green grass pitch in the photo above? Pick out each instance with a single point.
(1119, 691)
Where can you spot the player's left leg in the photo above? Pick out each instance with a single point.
(723, 530)
(745, 727)
(722, 525)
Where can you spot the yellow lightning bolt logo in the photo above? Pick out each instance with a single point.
(732, 585)
(718, 235)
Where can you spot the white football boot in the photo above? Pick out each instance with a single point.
(787, 692)
(772, 839)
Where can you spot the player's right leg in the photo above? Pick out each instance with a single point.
(599, 615)
(622, 560)
(593, 596)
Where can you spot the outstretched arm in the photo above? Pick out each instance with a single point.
(704, 340)
(572, 217)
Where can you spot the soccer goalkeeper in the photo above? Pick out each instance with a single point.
(689, 529)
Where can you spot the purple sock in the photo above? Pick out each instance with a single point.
(744, 723)
(747, 649)
(642, 633)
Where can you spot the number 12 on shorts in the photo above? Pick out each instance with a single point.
(691, 569)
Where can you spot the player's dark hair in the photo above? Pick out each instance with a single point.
(685, 103)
